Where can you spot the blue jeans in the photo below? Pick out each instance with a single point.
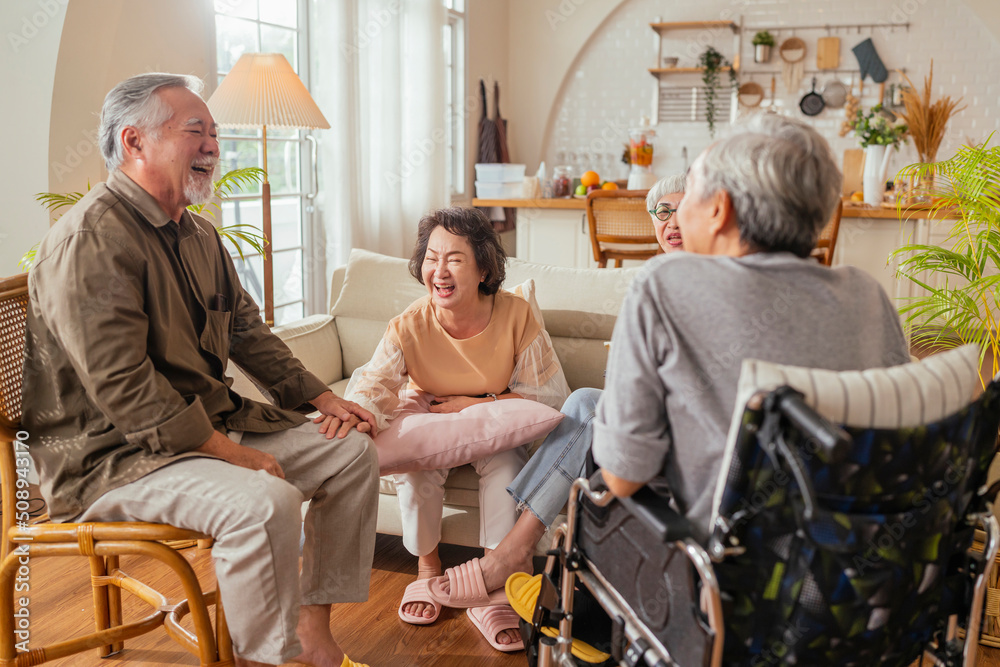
(543, 484)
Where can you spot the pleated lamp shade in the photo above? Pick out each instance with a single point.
(263, 89)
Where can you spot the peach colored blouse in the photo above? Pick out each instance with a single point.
(513, 352)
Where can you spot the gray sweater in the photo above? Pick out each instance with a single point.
(688, 322)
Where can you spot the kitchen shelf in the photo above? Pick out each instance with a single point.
(675, 103)
(693, 25)
(684, 70)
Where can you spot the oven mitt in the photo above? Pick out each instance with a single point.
(869, 62)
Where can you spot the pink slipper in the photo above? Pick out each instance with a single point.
(418, 591)
(493, 620)
(466, 586)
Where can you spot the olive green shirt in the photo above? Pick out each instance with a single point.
(131, 322)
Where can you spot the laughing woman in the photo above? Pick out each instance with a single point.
(465, 342)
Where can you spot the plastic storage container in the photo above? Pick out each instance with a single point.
(499, 173)
(499, 190)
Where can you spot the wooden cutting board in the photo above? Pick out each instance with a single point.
(828, 53)
(854, 164)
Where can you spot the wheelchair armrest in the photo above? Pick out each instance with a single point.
(654, 512)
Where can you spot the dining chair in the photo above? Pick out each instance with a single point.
(620, 226)
(827, 243)
(102, 544)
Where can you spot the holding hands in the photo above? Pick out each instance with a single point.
(338, 416)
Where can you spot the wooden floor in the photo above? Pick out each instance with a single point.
(370, 632)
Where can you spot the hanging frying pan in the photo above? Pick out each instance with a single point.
(834, 94)
(812, 103)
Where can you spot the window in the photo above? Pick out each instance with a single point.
(455, 107)
(268, 26)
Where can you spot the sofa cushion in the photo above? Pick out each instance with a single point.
(314, 341)
(579, 308)
(462, 487)
(418, 439)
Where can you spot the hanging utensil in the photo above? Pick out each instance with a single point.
(771, 108)
(828, 53)
(812, 103)
(834, 94)
(793, 54)
(750, 94)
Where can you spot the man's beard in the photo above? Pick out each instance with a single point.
(200, 190)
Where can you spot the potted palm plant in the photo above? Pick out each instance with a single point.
(963, 304)
(231, 182)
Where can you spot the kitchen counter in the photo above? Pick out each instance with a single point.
(921, 211)
(570, 203)
(851, 209)
(555, 231)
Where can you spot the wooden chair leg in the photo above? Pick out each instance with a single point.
(102, 614)
(618, 263)
(603, 264)
(223, 640)
(114, 602)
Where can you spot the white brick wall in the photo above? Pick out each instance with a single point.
(609, 88)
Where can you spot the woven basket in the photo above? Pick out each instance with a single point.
(991, 607)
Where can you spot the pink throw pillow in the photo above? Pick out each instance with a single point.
(418, 439)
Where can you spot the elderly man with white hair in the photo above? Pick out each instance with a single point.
(135, 310)
(746, 289)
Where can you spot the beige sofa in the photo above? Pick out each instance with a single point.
(579, 307)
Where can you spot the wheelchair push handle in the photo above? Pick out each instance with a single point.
(833, 442)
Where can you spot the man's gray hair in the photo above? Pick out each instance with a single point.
(665, 186)
(781, 177)
(132, 104)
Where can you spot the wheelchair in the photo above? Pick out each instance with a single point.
(831, 545)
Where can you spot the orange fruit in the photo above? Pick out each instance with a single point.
(590, 178)
(610, 185)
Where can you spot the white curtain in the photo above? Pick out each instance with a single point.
(378, 74)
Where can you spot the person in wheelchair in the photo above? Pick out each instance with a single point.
(754, 206)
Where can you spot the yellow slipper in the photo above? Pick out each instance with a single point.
(522, 593)
(350, 663)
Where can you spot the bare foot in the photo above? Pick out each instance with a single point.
(319, 647)
(428, 566)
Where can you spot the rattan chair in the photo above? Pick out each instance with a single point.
(620, 226)
(827, 243)
(101, 543)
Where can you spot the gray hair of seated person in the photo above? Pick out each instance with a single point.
(663, 187)
(781, 177)
(473, 225)
(132, 104)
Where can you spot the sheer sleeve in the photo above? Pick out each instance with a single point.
(538, 375)
(377, 385)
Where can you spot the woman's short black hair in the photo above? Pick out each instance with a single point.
(473, 225)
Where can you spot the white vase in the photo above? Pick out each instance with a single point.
(873, 177)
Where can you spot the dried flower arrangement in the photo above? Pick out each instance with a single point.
(927, 120)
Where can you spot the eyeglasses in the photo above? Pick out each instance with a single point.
(663, 212)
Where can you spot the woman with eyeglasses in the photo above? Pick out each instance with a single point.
(543, 484)
(662, 201)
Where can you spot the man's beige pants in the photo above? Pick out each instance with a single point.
(255, 519)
